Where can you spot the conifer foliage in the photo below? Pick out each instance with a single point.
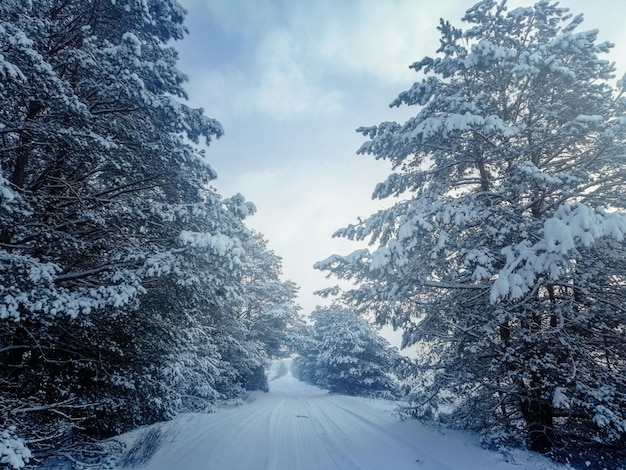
(122, 272)
(342, 353)
(502, 256)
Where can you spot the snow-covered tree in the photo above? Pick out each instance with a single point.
(119, 264)
(342, 353)
(502, 255)
(269, 302)
(94, 150)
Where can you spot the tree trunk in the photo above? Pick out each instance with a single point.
(21, 161)
(538, 415)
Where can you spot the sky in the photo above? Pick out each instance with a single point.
(291, 81)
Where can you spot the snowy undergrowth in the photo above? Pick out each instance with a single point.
(13, 451)
(144, 447)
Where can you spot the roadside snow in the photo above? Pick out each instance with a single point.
(300, 427)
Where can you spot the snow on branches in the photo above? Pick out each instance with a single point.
(502, 256)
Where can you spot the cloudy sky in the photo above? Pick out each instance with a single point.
(291, 80)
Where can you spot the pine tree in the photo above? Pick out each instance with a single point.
(502, 256)
(343, 354)
(270, 307)
(119, 264)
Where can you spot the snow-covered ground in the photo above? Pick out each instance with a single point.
(300, 427)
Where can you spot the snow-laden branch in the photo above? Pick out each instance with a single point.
(574, 225)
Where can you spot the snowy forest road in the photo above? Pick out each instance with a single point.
(300, 427)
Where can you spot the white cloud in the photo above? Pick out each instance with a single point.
(303, 58)
(285, 85)
(301, 205)
(382, 38)
(276, 81)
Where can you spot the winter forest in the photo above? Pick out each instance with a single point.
(132, 291)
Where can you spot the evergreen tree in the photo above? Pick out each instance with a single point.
(343, 354)
(502, 256)
(269, 305)
(121, 273)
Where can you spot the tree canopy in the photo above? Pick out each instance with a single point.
(502, 254)
(124, 276)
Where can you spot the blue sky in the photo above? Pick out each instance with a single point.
(291, 80)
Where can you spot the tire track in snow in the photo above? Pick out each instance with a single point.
(329, 441)
(388, 447)
(298, 441)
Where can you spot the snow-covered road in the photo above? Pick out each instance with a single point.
(300, 427)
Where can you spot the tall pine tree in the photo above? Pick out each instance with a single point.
(502, 256)
(121, 269)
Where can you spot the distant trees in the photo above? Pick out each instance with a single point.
(123, 274)
(503, 255)
(342, 353)
(269, 304)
